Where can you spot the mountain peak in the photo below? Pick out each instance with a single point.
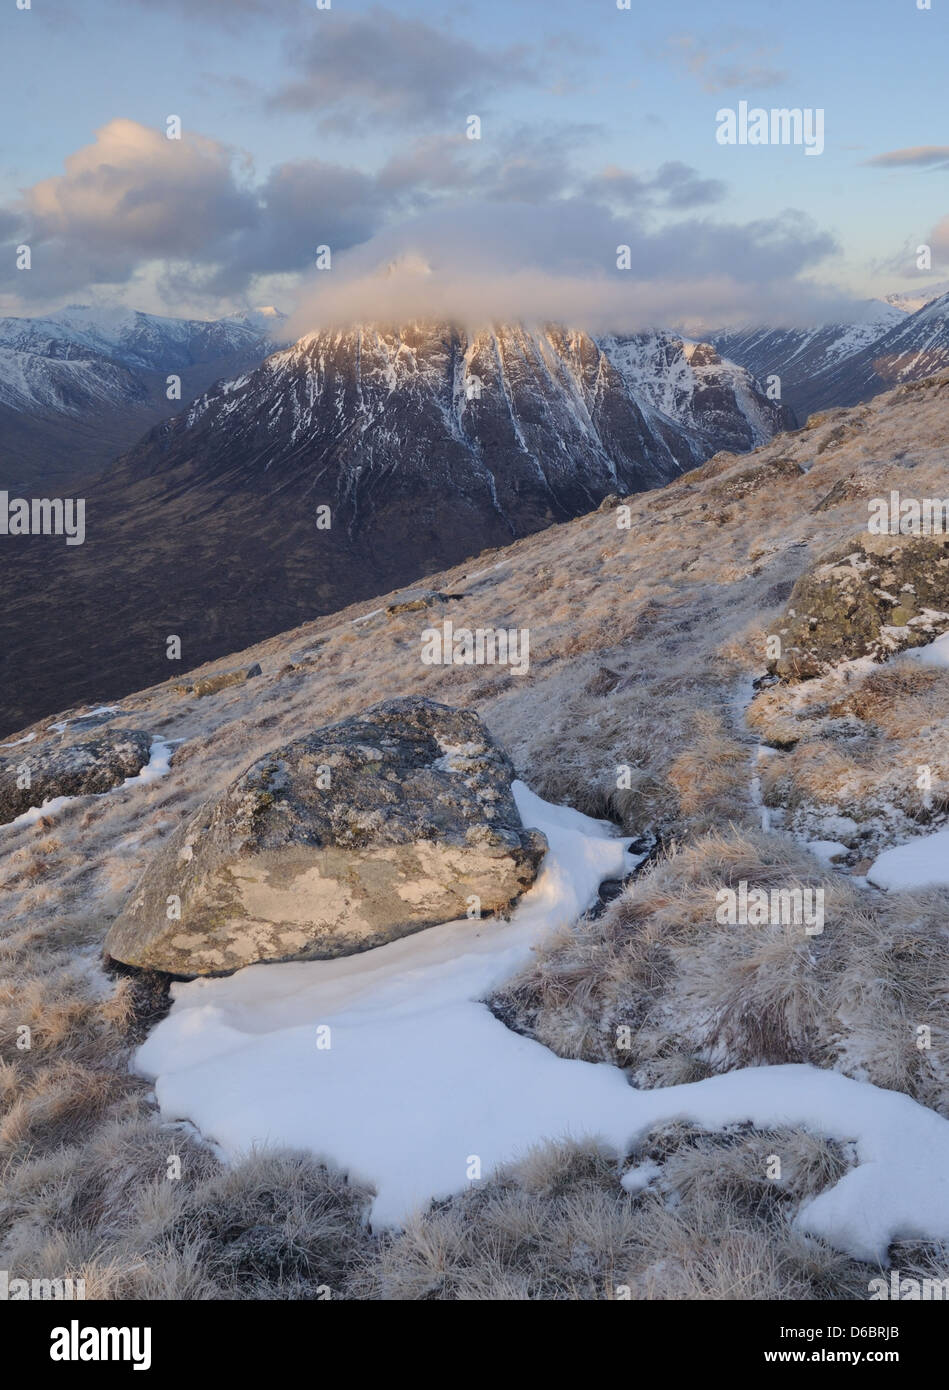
(911, 301)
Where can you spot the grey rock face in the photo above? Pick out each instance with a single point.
(68, 767)
(351, 836)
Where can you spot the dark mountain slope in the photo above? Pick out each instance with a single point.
(427, 445)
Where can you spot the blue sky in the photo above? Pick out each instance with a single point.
(346, 127)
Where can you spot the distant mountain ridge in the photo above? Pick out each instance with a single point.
(427, 443)
(79, 386)
(911, 300)
(844, 364)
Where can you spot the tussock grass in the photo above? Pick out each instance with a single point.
(859, 737)
(558, 1225)
(276, 1225)
(658, 986)
(710, 775)
(85, 1185)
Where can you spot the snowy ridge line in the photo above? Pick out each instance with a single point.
(420, 1076)
(539, 369)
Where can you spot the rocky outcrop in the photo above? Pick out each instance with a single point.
(763, 474)
(356, 834)
(38, 771)
(874, 596)
(414, 600)
(210, 685)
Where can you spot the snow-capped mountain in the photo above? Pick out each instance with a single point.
(78, 387)
(914, 348)
(842, 364)
(428, 445)
(268, 322)
(911, 300)
(511, 401)
(800, 356)
(65, 380)
(130, 337)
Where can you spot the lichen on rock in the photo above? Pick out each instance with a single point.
(353, 835)
(873, 596)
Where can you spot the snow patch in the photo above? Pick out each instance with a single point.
(420, 1079)
(933, 654)
(920, 863)
(827, 851)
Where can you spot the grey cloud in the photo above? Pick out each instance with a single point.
(918, 156)
(132, 197)
(684, 187)
(444, 162)
(11, 224)
(558, 261)
(509, 227)
(129, 196)
(301, 206)
(725, 62)
(674, 185)
(525, 165)
(358, 67)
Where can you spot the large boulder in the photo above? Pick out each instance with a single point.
(874, 596)
(344, 839)
(70, 764)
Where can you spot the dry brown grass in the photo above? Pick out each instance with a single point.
(658, 986)
(858, 739)
(558, 1226)
(897, 695)
(710, 776)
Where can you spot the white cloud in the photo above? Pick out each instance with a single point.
(557, 261)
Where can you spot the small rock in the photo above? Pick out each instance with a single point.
(413, 600)
(210, 685)
(603, 682)
(80, 766)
